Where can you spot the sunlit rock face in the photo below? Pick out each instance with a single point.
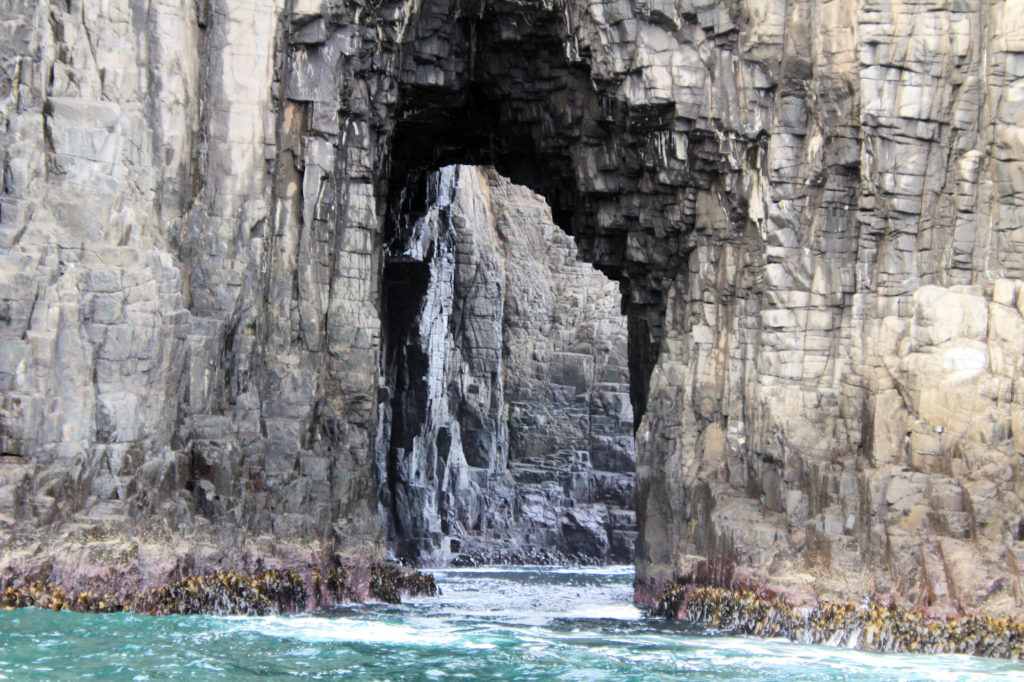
(812, 208)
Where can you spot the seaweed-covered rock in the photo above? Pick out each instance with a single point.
(47, 596)
(232, 592)
(227, 593)
(869, 625)
(389, 581)
(334, 587)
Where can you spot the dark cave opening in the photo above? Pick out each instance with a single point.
(516, 103)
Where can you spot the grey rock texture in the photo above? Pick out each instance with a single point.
(189, 356)
(508, 431)
(813, 209)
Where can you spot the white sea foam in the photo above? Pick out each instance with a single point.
(612, 570)
(318, 629)
(610, 611)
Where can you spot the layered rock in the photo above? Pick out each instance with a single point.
(507, 433)
(793, 196)
(189, 357)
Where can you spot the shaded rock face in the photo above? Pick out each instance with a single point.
(812, 208)
(506, 429)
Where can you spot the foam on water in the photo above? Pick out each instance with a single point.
(317, 629)
(612, 570)
(524, 623)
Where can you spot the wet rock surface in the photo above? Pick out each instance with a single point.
(525, 557)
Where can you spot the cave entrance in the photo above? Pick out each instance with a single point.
(512, 90)
(506, 428)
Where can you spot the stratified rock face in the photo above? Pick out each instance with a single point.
(567, 387)
(189, 335)
(813, 209)
(507, 431)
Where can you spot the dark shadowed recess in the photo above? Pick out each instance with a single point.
(404, 287)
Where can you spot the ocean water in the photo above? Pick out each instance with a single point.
(490, 623)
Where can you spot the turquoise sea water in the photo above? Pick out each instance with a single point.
(508, 623)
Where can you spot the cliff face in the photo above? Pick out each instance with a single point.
(508, 429)
(190, 337)
(813, 209)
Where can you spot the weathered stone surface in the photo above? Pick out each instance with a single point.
(505, 368)
(813, 210)
(178, 391)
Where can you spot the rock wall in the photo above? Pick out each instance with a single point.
(507, 433)
(813, 208)
(189, 355)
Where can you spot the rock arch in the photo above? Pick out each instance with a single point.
(812, 210)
